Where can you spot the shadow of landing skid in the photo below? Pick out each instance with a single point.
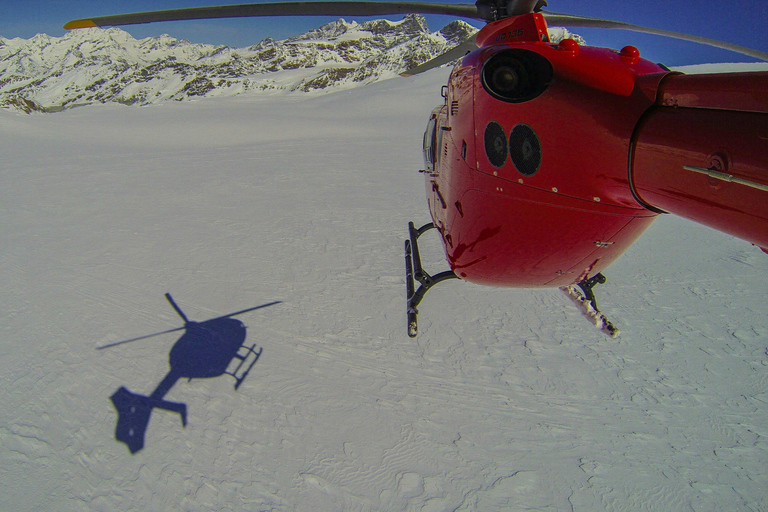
(206, 349)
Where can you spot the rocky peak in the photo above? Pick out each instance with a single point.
(457, 31)
(108, 65)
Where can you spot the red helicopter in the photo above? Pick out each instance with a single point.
(520, 201)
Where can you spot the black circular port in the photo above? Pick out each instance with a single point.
(516, 75)
(525, 149)
(495, 144)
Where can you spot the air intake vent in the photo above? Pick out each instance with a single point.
(525, 149)
(495, 144)
(454, 107)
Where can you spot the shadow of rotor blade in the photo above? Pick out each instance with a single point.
(139, 338)
(246, 310)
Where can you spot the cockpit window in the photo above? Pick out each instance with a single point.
(429, 145)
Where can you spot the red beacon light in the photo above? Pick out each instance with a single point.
(630, 55)
(569, 46)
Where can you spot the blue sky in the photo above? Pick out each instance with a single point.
(743, 22)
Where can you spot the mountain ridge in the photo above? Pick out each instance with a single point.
(50, 74)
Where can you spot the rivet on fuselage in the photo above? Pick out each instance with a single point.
(554, 189)
(597, 199)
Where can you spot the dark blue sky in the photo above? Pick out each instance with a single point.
(743, 22)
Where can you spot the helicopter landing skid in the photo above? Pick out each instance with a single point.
(243, 358)
(587, 303)
(414, 270)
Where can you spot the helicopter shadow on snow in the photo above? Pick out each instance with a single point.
(206, 349)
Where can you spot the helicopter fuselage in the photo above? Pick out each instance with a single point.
(207, 348)
(541, 164)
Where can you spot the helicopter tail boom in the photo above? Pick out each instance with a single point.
(133, 415)
(701, 152)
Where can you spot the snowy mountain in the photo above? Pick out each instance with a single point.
(108, 65)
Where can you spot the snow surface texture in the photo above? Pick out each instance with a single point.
(507, 400)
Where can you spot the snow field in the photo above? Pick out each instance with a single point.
(507, 400)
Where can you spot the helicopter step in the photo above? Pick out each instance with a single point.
(583, 296)
(414, 270)
(243, 358)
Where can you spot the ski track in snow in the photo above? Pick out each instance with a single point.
(507, 400)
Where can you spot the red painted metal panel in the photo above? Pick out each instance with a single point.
(584, 132)
(576, 214)
(747, 92)
(531, 28)
(735, 143)
(506, 238)
(598, 130)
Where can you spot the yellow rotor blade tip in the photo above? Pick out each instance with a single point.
(80, 24)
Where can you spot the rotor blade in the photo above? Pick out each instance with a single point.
(517, 7)
(140, 338)
(453, 54)
(246, 310)
(321, 8)
(570, 20)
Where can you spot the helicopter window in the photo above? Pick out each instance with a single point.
(438, 150)
(429, 145)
